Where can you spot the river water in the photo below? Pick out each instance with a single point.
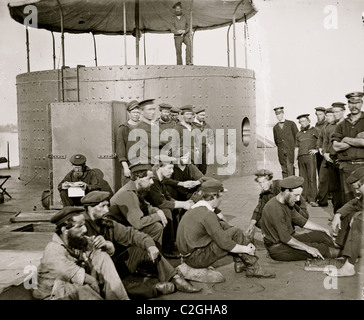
(12, 138)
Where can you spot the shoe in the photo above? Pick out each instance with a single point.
(314, 204)
(145, 273)
(165, 287)
(256, 271)
(253, 269)
(239, 266)
(208, 275)
(183, 286)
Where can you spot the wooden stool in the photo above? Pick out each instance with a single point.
(2, 189)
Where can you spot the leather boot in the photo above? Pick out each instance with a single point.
(239, 265)
(183, 286)
(165, 287)
(253, 269)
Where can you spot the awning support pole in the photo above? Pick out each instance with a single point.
(137, 31)
(145, 49)
(54, 51)
(228, 44)
(27, 45)
(124, 18)
(95, 52)
(245, 42)
(62, 34)
(234, 35)
(191, 30)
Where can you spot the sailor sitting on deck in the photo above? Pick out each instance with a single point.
(132, 249)
(202, 239)
(280, 238)
(80, 177)
(270, 188)
(72, 267)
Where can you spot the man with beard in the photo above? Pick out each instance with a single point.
(83, 176)
(165, 120)
(122, 141)
(269, 189)
(348, 142)
(74, 267)
(132, 249)
(159, 197)
(180, 27)
(284, 133)
(129, 203)
(305, 159)
(280, 239)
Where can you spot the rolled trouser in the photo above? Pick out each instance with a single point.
(206, 256)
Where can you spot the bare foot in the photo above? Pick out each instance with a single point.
(347, 270)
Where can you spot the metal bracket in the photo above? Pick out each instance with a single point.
(57, 156)
(107, 156)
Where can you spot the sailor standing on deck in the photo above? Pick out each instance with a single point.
(180, 27)
(122, 142)
(305, 159)
(348, 142)
(284, 137)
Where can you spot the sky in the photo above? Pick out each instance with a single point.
(304, 53)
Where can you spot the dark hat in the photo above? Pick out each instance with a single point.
(329, 110)
(356, 175)
(338, 105)
(292, 182)
(199, 110)
(212, 186)
(278, 110)
(165, 106)
(146, 102)
(95, 197)
(78, 159)
(140, 167)
(64, 214)
(177, 4)
(165, 158)
(187, 108)
(132, 105)
(176, 110)
(320, 109)
(355, 97)
(303, 115)
(263, 172)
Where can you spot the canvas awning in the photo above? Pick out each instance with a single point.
(106, 16)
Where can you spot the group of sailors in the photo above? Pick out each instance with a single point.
(169, 209)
